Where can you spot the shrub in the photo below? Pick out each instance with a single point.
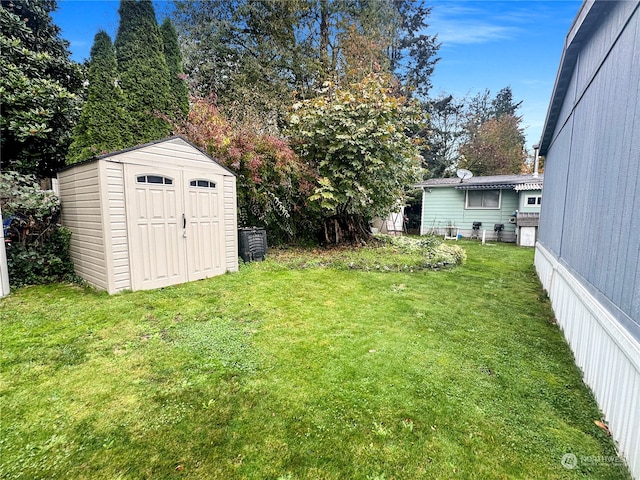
(385, 253)
(37, 246)
(435, 254)
(273, 183)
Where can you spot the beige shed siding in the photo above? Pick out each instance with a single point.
(94, 199)
(230, 222)
(120, 278)
(178, 149)
(81, 213)
(172, 153)
(178, 153)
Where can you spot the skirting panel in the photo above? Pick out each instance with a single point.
(608, 356)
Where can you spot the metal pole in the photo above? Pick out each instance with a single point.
(4, 270)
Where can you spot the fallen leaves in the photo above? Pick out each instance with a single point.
(603, 426)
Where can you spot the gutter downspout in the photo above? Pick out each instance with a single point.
(536, 160)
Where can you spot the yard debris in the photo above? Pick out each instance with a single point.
(603, 426)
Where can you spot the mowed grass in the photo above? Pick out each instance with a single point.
(278, 372)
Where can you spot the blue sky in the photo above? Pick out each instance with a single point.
(485, 44)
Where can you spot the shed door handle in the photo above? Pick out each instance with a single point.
(184, 221)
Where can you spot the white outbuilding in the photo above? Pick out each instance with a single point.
(151, 216)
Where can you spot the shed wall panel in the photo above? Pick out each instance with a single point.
(118, 242)
(96, 202)
(82, 214)
(172, 153)
(231, 223)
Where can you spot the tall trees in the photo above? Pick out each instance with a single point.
(39, 86)
(446, 132)
(143, 70)
(245, 53)
(356, 140)
(413, 52)
(135, 91)
(494, 140)
(178, 90)
(286, 49)
(482, 133)
(100, 129)
(273, 183)
(495, 149)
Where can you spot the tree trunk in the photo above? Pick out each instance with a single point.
(324, 35)
(346, 230)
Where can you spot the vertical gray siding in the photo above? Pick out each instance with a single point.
(590, 211)
(82, 214)
(588, 254)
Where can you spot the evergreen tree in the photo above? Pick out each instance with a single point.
(143, 71)
(177, 84)
(38, 83)
(503, 104)
(100, 127)
(445, 133)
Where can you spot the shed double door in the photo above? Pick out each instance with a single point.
(175, 225)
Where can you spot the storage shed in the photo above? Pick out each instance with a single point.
(154, 215)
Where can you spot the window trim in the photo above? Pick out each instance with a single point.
(466, 199)
(537, 202)
(166, 181)
(211, 185)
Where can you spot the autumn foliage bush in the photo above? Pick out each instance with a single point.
(273, 184)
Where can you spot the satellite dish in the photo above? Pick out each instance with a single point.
(463, 174)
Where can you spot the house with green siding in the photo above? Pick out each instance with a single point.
(451, 207)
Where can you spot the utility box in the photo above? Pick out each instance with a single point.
(252, 243)
(527, 229)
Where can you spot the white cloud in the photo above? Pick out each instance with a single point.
(463, 24)
(465, 33)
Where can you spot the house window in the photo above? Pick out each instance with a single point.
(202, 184)
(534, 200)
(487, 199)
(155, 179)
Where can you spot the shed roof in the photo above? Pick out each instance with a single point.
(517, 182)
(585, 23)
(137, 147)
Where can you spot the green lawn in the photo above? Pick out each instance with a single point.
(286, 371)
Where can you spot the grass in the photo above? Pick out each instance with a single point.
(281, 372)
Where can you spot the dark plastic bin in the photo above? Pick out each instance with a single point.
(252, 244)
